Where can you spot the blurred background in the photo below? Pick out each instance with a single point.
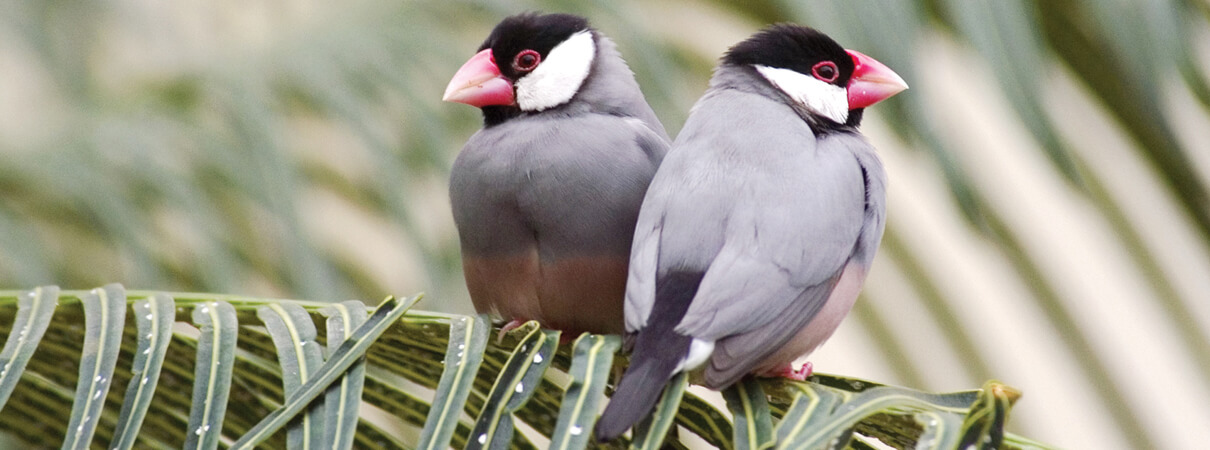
(1049, 220)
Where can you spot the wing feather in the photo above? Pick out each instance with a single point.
(737, 355)
(781, 242)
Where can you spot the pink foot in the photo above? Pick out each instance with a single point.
(514, 324)
(799, 374)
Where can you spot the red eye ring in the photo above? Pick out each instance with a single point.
(825, 71)
(526, 61)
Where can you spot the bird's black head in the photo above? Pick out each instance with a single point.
(528, 64)
(808, 67)
(520, 43)
(798, 48)
(828, 86)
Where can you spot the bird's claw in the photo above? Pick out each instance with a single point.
(799, 374)
(510, 326)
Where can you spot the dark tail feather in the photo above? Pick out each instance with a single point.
(657, 351)
(636, 395)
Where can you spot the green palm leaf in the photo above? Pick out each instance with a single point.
(104, 310)
(592, 359)
(299, 355)
(212, 374)
(349, 353)
(343, 397)
(468, 339)
(650, 433)
(278, 382)
(154, 316)
(514, 386)
(34, 311)
(750, 410)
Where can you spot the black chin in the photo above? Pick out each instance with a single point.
(498, 114)
(855, 117)
(823, 125)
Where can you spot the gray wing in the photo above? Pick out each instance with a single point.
(680, 227)
(796, 206)
(644, 255)
(751, 201)
(787, 286)
(782, 241)
(780, 266)
(737, 355)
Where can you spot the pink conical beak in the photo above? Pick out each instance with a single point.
(479, 83)
(872, 81)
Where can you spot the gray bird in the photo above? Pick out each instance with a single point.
(761, 224)
(546, 195)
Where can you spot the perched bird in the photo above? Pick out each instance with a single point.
(546, 195)
(759, 227)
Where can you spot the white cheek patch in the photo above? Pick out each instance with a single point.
(559, 75)
(822, 98)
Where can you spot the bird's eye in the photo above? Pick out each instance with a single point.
(526, 61)
(825, 71)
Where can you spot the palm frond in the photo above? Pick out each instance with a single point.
(264, 355)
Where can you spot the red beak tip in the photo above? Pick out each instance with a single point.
(872, 81)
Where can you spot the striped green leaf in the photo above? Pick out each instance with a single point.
(650, 433)
(983, 426)
(212, 373)
(43, 406)
(705, 420)
(154, 316)
(463, 355)
(812, 405)
(513, 387)
(299, 355)
(349, 353)
(386, 390)
(342, 401)
(104, 318)
(592, 359)
(941, 430)
(527, 376)
(750, 412)
(34, 311)
(1015, 442)
(940, 420)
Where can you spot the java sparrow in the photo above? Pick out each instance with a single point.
(761, 223)
(545, 196)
